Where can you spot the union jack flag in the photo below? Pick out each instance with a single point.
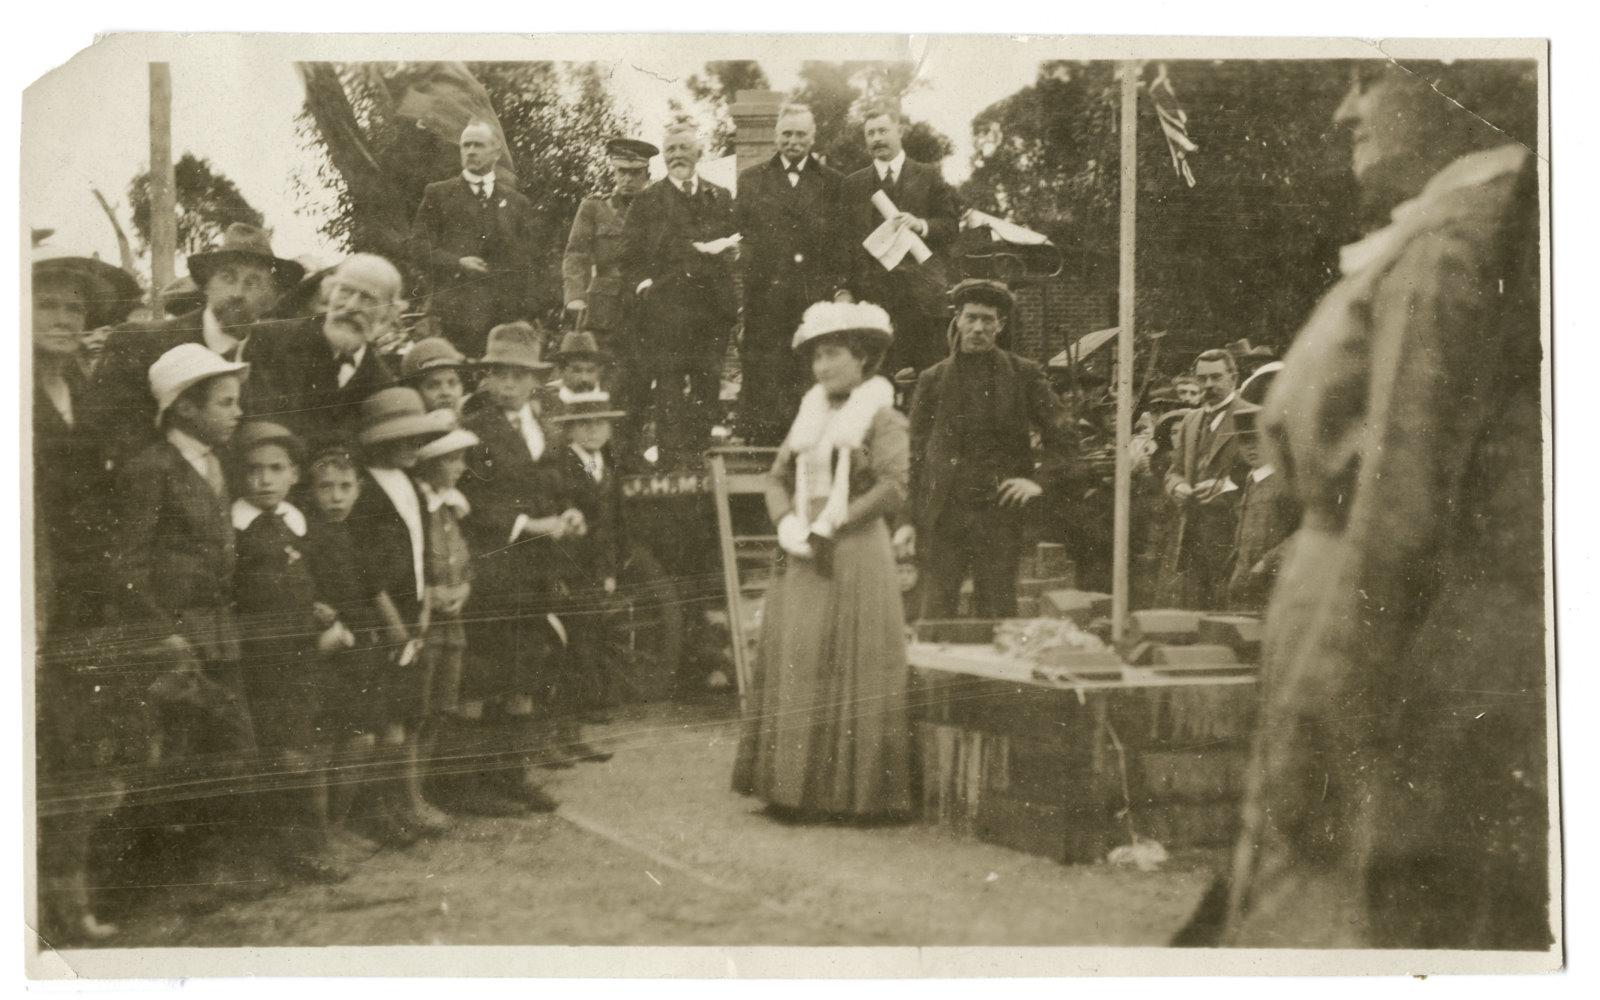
(1174, 122)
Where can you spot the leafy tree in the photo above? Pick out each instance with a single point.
(207, 202)
(376, 161)
(837, 92)
(716, 91)
(1245, 252)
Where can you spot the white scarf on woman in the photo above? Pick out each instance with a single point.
(821, 430)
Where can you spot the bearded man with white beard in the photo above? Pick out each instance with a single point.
(312, 374)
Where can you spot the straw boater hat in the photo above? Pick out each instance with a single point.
(111, 292)
(1254, 390)
(515, 344)
(826, 319)
(577, 345)
(428, 355)
(242, 241)
(184, 367)
(459, 439)
(594, 405)
(396, 413)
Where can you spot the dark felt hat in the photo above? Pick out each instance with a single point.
(111, 292)
(595, 405)
(577, 345)
(242, 241)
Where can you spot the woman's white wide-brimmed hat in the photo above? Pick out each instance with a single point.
(827, 318)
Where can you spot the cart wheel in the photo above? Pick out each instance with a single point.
(646, 636)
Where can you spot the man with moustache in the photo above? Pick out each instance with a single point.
(685, 300)
(312, 375)
(912, 293)
(787, 213)
(474, 237)
(1201, 485)
(241, 281)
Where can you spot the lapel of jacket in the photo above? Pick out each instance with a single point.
(1221, 436)
(944, 412)
(202, 508)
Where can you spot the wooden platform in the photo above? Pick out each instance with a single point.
(1070, 767)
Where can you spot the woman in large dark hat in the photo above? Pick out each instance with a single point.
(827, 729)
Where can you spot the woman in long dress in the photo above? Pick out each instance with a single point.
(1397, 794)
(828, 731)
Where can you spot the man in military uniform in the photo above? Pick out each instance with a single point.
(787, 211)
(591, 268)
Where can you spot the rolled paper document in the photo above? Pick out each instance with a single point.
(885, 207)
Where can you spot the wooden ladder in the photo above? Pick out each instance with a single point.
(740, 471)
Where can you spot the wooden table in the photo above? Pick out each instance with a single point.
(1069, 768)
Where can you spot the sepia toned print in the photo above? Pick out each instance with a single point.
(764, 493)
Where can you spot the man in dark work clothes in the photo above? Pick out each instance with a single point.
(973, 472)
(787, 211)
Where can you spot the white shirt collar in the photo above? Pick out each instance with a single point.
(245, 514)
(217, 339)
(1463, 172)
(1259, 473)
(898, 165)
(487, 180)
(354, 359)
(688, 185)
(597, 457)
(193, 451)
(798, 166)
(532, 431)
(397, 486)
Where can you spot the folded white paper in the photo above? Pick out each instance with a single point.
(717, 246)
(890, 243)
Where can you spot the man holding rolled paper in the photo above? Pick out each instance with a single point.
(901, 217)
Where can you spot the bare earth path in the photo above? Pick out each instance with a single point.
(653, 849)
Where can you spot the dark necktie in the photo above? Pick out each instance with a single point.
(482, 191)
(886, 182)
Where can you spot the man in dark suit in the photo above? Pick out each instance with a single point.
(686, 302)
(787, 211)
(1200, 482)
(241, 280)
(973, 472)
(475, 238)
(311, 375)
(912, 292)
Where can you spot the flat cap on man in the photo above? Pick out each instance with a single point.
(983, 291)
(630, 152)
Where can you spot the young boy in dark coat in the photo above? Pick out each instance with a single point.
(519, 511)
(172, 577)
(1268, 515)
(595, 556)
(285, 629)
(387, 527)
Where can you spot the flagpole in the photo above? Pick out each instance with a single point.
(1128, 122)
(163, 208)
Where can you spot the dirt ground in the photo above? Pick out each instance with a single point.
(652, 848)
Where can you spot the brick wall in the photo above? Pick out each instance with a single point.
(1053, 312)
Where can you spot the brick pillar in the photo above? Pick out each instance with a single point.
(755, 122)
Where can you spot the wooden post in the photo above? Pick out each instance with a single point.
(1129, 123)
(163, 197)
